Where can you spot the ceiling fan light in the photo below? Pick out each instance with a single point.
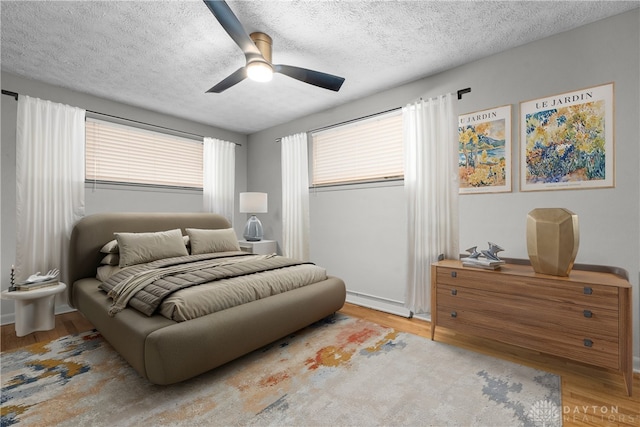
(259, 71)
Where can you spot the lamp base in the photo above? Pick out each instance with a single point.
(253, 230)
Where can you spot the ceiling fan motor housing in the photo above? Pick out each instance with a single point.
(263, 42)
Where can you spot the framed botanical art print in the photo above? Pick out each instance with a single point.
(484, 151)
(566, 140)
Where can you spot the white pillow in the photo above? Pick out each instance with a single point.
(110, 247)
(111, 259)
(211, 241)
(138, 248)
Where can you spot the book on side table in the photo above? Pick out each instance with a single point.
(36, 281)
(27, 286)
(485, 263)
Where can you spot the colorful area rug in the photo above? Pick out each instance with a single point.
(338, 372)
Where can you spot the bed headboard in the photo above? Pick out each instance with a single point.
(93, 231)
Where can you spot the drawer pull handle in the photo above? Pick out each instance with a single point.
(454, 274)
(588, 290)
(588, 313)
(588, 342)
(454, 314)
(454, 292)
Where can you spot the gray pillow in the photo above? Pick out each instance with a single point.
(211, 241)
(138, 248)
(111, 247)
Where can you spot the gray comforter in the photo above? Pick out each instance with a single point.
(145, 286)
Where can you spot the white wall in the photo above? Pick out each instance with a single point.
(354, 233)
(102, 198)
(366, 236)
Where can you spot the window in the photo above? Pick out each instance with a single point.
(123, 154)
(364, 151)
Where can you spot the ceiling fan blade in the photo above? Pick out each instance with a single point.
(233, 27)
(236, 77)
(316, 78)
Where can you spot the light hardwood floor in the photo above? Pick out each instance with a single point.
(590, 396)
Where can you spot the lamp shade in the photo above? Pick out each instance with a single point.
(253, 203)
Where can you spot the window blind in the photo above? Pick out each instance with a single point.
(125, 154)
(367, 150)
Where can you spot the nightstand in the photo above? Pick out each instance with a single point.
(34, 310)
(261, 247)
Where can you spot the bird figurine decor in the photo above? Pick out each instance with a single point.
(487, 258)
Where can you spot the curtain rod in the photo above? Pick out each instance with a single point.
(9, 93)
(15, 95)
(460, 93)
(463, 91)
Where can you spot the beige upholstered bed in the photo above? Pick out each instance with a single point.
(162, 349)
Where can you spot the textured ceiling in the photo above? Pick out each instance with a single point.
(163, 56)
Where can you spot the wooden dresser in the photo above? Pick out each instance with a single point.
(585, 317)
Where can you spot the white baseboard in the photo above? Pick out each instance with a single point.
(378, 303)
(65, 308)
(423, 316)
(9, 318)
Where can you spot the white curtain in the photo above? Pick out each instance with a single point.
(431, 186)
(49, 183)
(295, 197)
(219, 176)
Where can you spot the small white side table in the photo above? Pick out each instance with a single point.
(261, 247)
(34, 310)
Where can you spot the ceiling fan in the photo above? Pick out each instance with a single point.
(257, 51)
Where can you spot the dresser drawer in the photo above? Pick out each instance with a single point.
(555, 290)
(531, 311)
(594, 348)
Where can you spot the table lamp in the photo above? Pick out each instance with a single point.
(253, 203)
